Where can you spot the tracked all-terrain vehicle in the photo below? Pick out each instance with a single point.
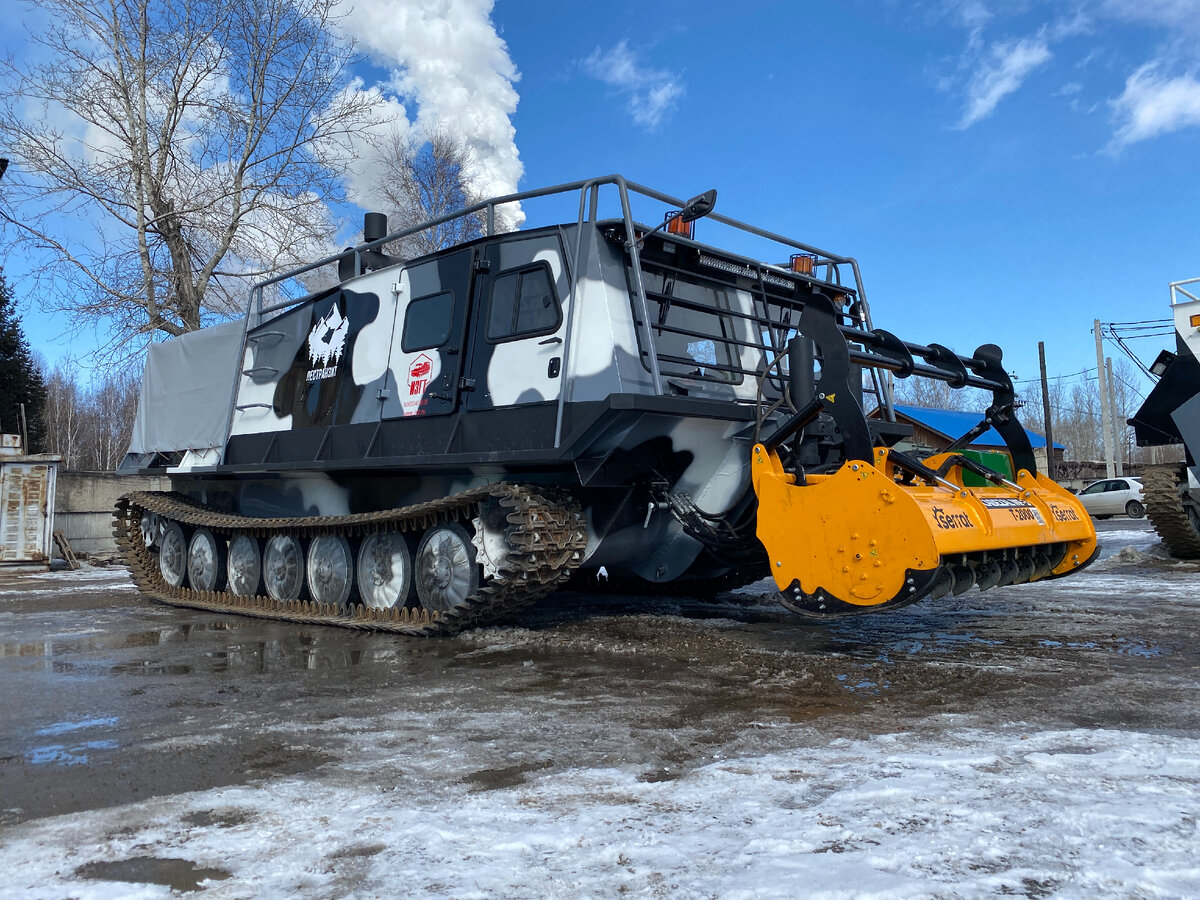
(430, 443)
(1171, 415)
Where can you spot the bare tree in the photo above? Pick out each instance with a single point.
(933, 394)
(423, 180)
(64, 413)
(111, 409)
(1075, 413)
(88, 425)
(168, 151)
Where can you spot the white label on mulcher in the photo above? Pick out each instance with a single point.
(1018, 509)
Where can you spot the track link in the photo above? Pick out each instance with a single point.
(1164, 506)
(545, 533)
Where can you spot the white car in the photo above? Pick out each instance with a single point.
(1114, 497)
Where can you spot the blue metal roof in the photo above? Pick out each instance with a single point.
(954, 424)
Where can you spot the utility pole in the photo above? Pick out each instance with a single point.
(1117, 430)
(1109, 466)
(1046, 412)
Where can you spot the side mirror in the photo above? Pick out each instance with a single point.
(699, 206)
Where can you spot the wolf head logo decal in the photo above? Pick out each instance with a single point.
(326, 343)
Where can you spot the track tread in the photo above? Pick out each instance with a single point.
(1164, 507)
(546, 531)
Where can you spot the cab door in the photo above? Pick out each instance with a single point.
(519, 325)
(426, 363)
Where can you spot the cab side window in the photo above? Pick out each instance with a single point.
(523, 304)
(427, 322)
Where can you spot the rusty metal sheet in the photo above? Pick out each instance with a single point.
(26, 512)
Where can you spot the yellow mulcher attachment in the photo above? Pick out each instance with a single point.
(863, 537)
(885, 529)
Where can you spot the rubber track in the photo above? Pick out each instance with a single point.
(1164, 506)
(546, 535)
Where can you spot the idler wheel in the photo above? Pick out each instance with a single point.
(283, 567)
(244, 566)
(330, 569)
(151, 527)
(385, 570)
(206, 561)
(446, 573)
(172, 554)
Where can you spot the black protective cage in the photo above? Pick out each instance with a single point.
(818, 314)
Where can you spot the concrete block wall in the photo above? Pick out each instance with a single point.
(84, 503)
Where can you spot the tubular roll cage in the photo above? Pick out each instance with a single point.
(844, 337)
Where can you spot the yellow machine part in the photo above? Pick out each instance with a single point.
(860, 538)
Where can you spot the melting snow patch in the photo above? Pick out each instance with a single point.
(972, 812)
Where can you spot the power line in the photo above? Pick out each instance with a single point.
(1054, 377)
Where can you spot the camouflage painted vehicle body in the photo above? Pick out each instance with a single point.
(627, 371)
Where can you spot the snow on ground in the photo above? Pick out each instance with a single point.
(1071, 813)
(51, 584)
(419, 804)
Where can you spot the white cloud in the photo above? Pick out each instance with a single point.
(1003, 71)
(356, 153)
(447, 57)
(1153, 104)
(971, 13)
(650, 92)
(1180, 14)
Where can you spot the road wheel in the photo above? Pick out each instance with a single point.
(283, 567)
(330, 569)
(244, 566)
(206, 561)
(152, 526)
(385, 570)
(172, 554)
(446, 573)
(1134, 509)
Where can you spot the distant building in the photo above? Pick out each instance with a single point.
(936, 429)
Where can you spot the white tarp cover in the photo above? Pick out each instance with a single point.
(187, 390)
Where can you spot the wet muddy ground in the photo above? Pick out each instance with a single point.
(1034, 740)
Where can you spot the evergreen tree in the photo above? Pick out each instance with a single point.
(20, 380)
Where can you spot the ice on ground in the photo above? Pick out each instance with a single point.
(1079, 812)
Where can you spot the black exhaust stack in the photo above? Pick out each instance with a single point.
(375, 226)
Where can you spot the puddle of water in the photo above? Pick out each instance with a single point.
(62, 755)
(177, 874)
(358, 851)
(65, 727)
(220, 818)
(60, 646)
(503, 777)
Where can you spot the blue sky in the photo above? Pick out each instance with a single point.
(1003, 172)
